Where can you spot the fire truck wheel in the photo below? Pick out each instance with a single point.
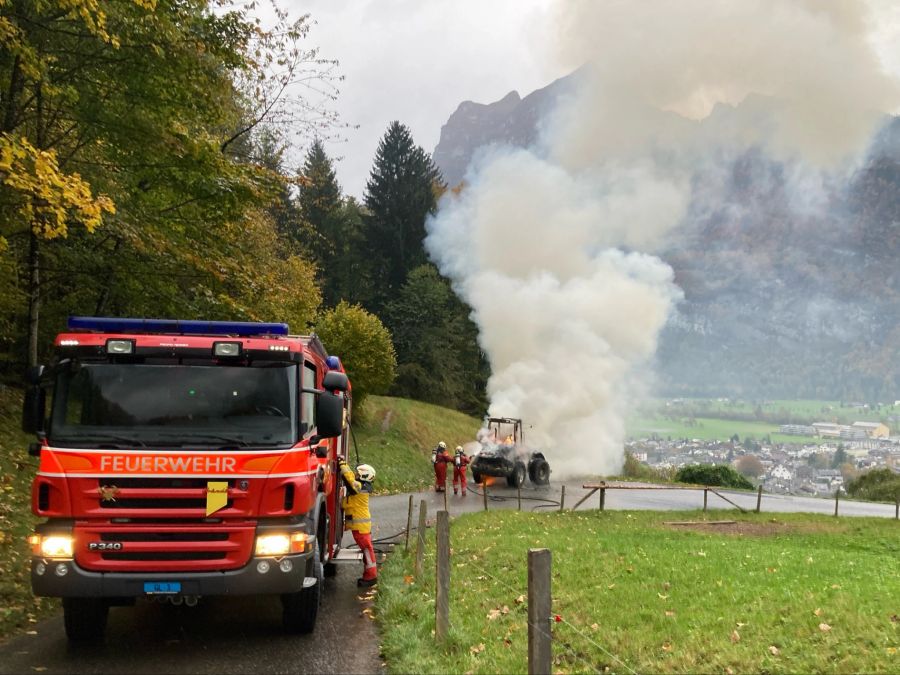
(300, 609)
(85, 618)
(476, 477)
(517, 477)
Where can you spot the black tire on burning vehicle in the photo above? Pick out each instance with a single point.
(517, 477)
(476, 477)
(539, 471)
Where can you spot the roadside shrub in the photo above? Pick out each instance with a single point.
(712, 474)
(634, 468)
(877, 485)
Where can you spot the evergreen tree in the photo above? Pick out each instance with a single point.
(319, 201)
(437, 352)
(400, 193)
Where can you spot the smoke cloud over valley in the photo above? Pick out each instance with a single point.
(554, 246)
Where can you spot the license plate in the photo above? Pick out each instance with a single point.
(158, 587)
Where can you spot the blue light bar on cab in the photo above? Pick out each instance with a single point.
(176, 326)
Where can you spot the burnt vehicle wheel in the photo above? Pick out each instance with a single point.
(85, 618)
(517, 478)
(300, 609)
(476, 477)
(539, 471)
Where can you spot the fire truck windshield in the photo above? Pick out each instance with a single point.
(181, 405)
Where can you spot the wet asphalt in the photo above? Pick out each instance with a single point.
(244, 635)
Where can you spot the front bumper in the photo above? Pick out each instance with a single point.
(81, 583)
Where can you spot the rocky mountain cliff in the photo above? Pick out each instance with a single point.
(780, 300)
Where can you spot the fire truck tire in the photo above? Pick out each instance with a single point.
(85, 618)
(517, 477)
(300, 609)
(539, 472)
(476, 477)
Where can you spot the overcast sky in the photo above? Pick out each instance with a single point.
(417, 60)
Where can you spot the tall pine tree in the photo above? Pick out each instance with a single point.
(400, 193)
(319, 200)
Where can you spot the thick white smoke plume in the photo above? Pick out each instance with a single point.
(552, 246)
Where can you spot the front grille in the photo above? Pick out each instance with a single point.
(160, 498)
(158, 503)
(164, 536)
(160, 525)
(145, 547)
(166, 555)
(167, 483)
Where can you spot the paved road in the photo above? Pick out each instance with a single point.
(244, 634)
(235, 635)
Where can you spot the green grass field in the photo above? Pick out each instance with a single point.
(792, 594)
(707, 428)
(397, 435)
(780, 410)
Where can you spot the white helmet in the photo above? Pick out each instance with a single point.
(459, 448)
(442, 445)
(365, 472)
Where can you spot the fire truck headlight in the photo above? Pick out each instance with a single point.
(120, 346)
(54, 546)
(273, 545)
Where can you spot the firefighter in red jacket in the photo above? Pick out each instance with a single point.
(460, 462)
(440, 459)
(357, 517)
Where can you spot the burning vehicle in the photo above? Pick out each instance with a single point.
(504, 455)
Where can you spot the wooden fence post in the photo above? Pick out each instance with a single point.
(420, 539)
(409, 521)
(602, 498)
(705, 497)
(442, 577)
(837, 498)
(758, 498)
(897, 509)
(484, 487)
(562, 498)
(540, 655)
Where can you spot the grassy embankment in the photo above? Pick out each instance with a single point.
(396, 436)
(18, 607)
(796, 593)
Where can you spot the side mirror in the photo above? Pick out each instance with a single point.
(335, 380)
(329, 415)
(33, 410)
(34, 374)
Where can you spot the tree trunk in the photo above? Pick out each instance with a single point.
(34, 298)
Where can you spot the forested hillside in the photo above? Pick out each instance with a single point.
(143, 172)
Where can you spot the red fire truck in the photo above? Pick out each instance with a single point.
(181, 459)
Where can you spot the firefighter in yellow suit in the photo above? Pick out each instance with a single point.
(357, 517)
